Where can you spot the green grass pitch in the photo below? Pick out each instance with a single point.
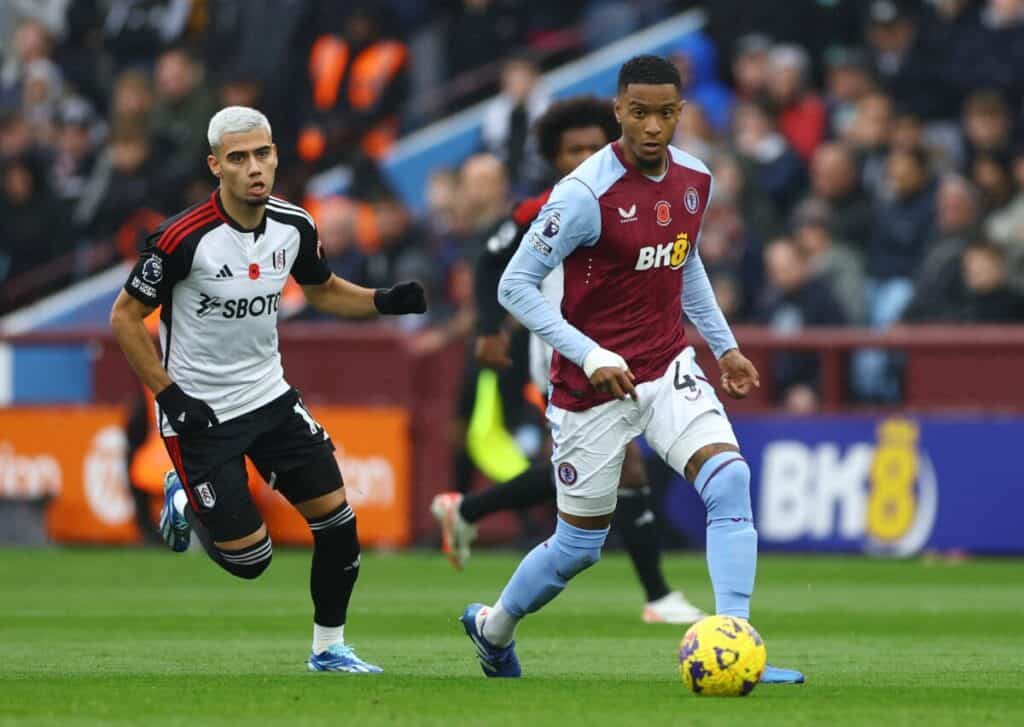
(92, 637)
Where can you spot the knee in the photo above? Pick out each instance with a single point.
(248, 563)
(724, 485)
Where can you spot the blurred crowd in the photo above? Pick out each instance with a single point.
(868, 154)
(104, 105)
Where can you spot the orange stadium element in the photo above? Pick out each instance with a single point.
(366, 75)
(76, 458)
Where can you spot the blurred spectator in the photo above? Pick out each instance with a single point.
(78, 136)
(697, 60)
(987, 124)
(32, 42)
(977, 291)
(750, 67)
(42, 89)
(15, 135)
(903, 227)
(988, 297)
(442, 193)
(134, 31)
(905, 64)
(358, 84)
(847, 81)
(336, 224)
(508, 118)
(835, 264)
(694, 132)
(1006, 225)
(992, 176)
(126, 180)
(835, 181)
(794, 299)
(33, 226)
(990, 52)
(773, 164)
(183, 106)
(132, 100)
(264, 44)
(938, 285)
(801, 113)
(868, 135)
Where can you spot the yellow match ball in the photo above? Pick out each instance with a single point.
(722, 656)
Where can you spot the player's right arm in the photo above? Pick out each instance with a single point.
(128, 321)
(148, 286)
(570, 219)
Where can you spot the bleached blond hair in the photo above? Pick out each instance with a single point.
(234, 120)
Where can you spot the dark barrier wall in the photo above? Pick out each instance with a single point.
(968, 368)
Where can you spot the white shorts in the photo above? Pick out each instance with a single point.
(677, 415)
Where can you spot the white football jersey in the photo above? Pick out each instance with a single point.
(219, 287)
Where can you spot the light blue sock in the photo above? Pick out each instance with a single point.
(544, 573)
(724, 485)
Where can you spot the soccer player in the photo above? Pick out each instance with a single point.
(568, 133)
(624, 225)
(217, 270)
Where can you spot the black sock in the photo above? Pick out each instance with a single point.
(462, 467)
(530, 488)
(636, 521)
(335, 565)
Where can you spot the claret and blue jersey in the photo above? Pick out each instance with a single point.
(626, 242)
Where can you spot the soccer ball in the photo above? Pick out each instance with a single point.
(722, 656)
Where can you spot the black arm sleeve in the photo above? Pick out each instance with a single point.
(493, 258)
(310, 267)
(156, 272)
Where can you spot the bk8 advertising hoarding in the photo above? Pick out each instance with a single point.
(894, 485)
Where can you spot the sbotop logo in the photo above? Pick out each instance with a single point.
(882, 495)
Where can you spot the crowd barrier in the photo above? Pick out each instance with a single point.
(820, 483)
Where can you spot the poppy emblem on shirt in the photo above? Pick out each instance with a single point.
(567, 474)
(279, 260)
(254, 271)
(663, 213)
(692, 200)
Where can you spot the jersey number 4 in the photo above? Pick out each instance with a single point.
(686, 383)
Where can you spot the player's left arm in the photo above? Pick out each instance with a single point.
(739, 375)
(328, 293)
(341, 298)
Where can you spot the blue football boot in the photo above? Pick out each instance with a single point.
(340, 657)
(174, 528)
(775, 675)
(494, 660)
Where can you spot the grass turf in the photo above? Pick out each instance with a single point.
(144, 636)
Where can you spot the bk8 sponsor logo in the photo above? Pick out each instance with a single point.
(671, 254)
(881, 497)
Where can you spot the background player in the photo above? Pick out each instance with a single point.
(624, 225)
(568, 133)
(217, 271)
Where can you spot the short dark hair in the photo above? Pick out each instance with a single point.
(651, 70)
(574, 113)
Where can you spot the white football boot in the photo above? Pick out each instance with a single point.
(672, 609)
(457, 535)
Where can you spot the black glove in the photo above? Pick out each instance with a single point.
(403, 298)
(185, 413)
